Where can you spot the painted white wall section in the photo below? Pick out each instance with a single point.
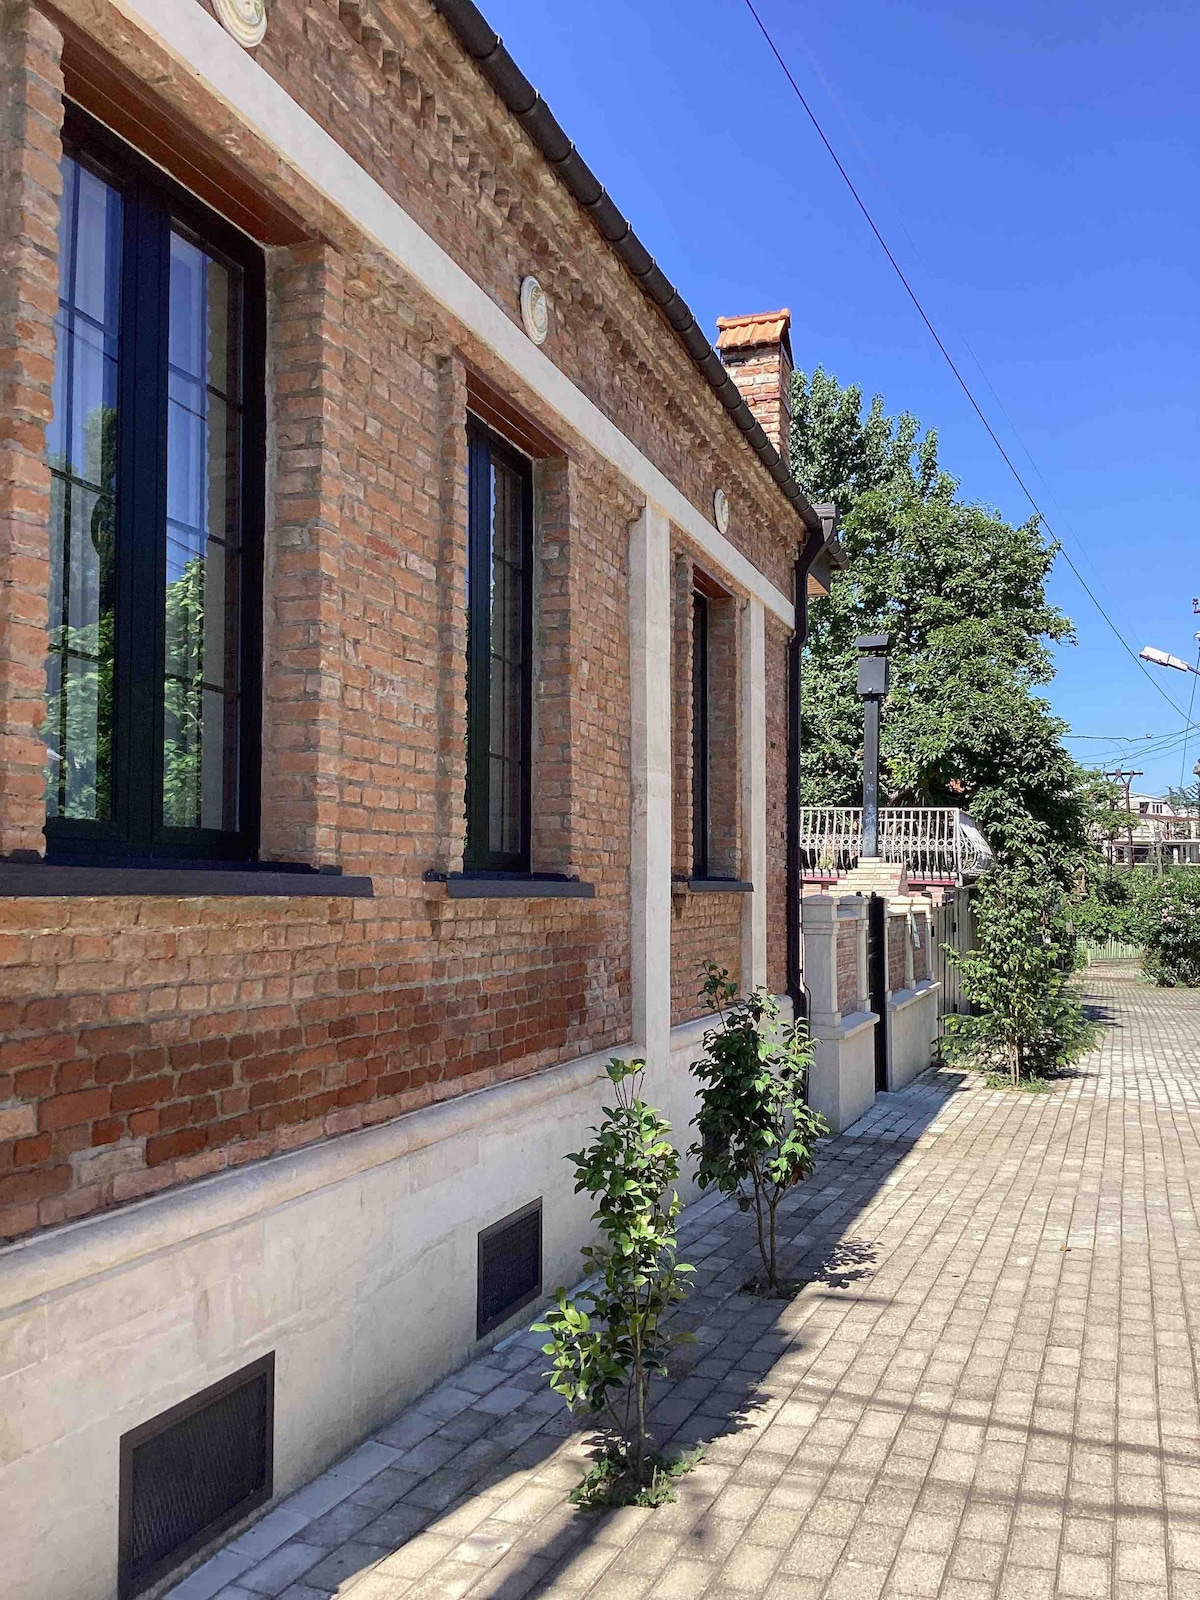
(754, 793)
(912, 1023)
(650, 758)
(202, 48)
(841, 1080)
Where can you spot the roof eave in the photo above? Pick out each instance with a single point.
(485, 47)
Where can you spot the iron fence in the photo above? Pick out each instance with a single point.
(934, 842)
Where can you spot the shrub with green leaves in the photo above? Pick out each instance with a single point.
(757, 1133)
(610, 1342)
(1170, 924)
(1027, 1020)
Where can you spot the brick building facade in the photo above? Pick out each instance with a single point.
(249, 984)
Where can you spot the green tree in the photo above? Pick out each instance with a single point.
(1170, 928)
(183, 697)
(961, 594)
(1027, 1022)
(609, 1343)
(757, 1135)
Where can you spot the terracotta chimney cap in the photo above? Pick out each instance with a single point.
(758, 328)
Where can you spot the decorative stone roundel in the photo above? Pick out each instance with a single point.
(721, 510)
(246, 20)
(535, 310)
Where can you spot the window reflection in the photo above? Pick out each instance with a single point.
(81, 450)
(200, 685)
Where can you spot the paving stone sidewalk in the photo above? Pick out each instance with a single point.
(988, 1388)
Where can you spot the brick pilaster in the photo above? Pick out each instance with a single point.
(451, 787)
(302, 647)
(557, 672)
(30, 185)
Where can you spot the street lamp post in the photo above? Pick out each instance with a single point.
(1160, 658)
(872, 687)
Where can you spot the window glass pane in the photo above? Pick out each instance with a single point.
(81, 449)
(506, 743)
(202, 547)
(701, 752)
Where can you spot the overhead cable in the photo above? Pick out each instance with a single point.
(962, 383)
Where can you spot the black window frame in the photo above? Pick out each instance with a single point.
(701, 743)
(152, 205)
(484, 444)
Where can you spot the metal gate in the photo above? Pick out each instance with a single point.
(877, 973)
(952, 925)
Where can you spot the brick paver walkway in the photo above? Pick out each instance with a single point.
(988, 1389)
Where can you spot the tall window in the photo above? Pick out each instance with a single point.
(155, 455)
(499, 653)
(715, 770)
(701, 753)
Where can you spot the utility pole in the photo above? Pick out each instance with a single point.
(1127, 777)
(872, 687)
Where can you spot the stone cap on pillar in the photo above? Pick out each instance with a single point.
(874, 875)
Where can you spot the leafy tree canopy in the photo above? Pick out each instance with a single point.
(961, 593)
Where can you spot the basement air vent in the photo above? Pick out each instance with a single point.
(510, 1267)
(193, 1471)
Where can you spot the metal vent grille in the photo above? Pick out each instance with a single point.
(510, 1267)
(194, 1471)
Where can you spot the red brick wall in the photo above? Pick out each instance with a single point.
(897, 937)
(147, 1041)
(847, 966)
(704, 927)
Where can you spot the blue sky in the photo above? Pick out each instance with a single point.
(1033, 166)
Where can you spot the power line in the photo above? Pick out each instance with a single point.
(1122, 749)
(866, 161)
(962, 383)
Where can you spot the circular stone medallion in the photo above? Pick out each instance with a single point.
(721, 510)
(535, 310)
(246, 20)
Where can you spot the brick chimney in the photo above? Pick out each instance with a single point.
(757, 352)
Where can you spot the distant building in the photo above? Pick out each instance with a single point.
(1163, 834)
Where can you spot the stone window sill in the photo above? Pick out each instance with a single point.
(711, 886)
(507, 886)
(178, 879)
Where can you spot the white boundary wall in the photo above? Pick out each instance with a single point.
(912, 1031)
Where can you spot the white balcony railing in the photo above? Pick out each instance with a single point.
(935, 843)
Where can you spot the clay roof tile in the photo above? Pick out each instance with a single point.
(759, 327)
